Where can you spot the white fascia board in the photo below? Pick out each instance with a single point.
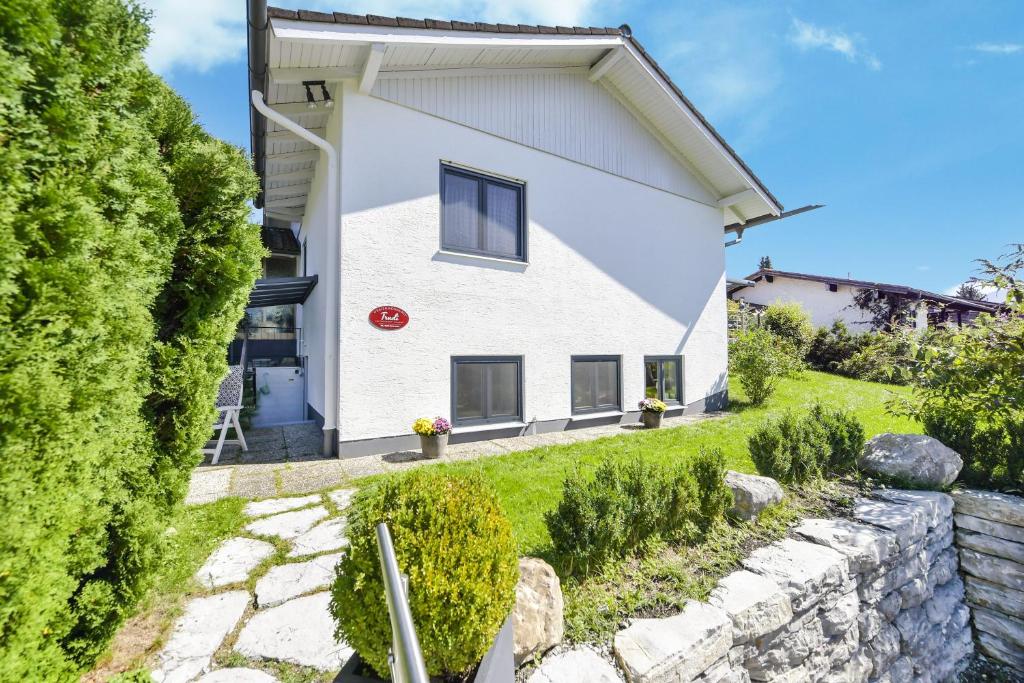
(315, 32)
(691, 115)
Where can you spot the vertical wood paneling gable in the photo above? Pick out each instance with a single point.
(558, 112)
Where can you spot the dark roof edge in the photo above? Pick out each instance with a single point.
(987, 306)
(623, 31)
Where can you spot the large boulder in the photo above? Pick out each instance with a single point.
(751, 493)
(911, 458)
(537, 621)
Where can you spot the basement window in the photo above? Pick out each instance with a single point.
(595, 384)
(487, 389)
(482, 215)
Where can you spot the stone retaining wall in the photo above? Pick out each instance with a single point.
(877, 598)
(990, 536)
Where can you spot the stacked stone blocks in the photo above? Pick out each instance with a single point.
(990, 536)
(873, 598)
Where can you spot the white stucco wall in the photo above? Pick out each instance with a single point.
(825, 307)
(318, 327)
(616, 267)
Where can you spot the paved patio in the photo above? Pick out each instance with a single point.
(287, 460)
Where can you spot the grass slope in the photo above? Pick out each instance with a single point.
(530, 482)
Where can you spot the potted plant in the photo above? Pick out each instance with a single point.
(651, 412)
(454, 542)
(433, 435)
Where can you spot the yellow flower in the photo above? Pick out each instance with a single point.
(424, 426)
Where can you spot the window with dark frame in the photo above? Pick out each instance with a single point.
(595, 384)
(663, 378)
(482, 214)
(487, 389)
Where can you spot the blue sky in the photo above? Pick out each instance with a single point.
(903, 118)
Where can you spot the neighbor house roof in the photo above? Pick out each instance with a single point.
(898, 290)
(347, 40)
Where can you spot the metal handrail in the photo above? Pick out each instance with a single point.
(406, 658)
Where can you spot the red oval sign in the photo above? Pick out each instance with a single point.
(389, 318)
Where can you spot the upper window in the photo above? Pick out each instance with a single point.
(595, 384)
(487, 389)
(663, 378)
(482, 214)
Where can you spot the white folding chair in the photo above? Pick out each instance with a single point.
(229, 405)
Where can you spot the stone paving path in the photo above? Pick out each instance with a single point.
(285, 617)
(286, 460)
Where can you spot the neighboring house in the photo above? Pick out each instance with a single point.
(543, 205)
(828, 299)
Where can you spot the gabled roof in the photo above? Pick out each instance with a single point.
(613, 56)
(898, 290)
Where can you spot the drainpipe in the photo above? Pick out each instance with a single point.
(332, 347)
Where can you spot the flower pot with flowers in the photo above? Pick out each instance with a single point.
(651, 412)
(433, 435)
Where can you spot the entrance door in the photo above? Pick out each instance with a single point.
(280, 396)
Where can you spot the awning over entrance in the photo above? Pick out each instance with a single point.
(278, 291)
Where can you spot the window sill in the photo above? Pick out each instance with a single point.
(469, 429)
(582, 417)
(481, 257)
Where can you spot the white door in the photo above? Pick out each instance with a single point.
(280, 396)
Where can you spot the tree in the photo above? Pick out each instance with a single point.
(127, 262)
(969, 383)
(970, 291)
(766, 263)
(888, 311)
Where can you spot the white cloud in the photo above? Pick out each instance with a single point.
(999, 48)
(733, 88)
(194, 34)
(807, 36)
(199, 34)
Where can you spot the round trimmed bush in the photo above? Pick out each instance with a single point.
(455, 544)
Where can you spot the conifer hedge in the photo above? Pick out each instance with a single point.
(126, 257)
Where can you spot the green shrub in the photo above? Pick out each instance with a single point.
(626, 504)
(126, 264)
(795, 448)
(831, 346)
(845, 436)
(882, 357)
(760, 360)
(790, 449)
(791, 322)
(714, 498)
(455, 544)
(968, 384)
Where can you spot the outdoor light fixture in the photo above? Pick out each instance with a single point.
(328, 102)
(311, 98)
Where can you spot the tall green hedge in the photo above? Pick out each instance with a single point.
(125, 259)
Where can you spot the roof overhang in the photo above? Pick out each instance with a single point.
(280, 291)
(304, 46)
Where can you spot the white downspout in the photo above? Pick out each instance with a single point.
(332, 348)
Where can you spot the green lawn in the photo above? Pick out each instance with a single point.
(529, 483)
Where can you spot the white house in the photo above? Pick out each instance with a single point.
(828, 299)
(541, 207)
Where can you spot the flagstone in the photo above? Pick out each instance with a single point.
(322, 538)
(287, 581)
(275, 505)
(301, 631)
(198, 634)
(287, 525)
(232, 561)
